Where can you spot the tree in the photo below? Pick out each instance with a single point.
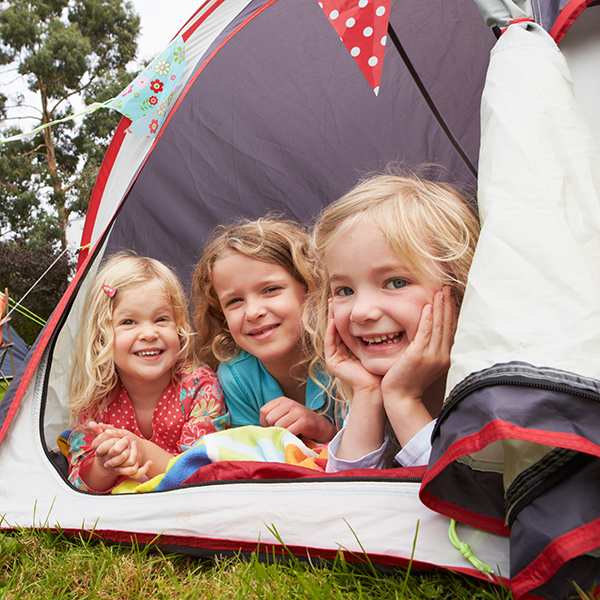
(20, 268)
(66, 49)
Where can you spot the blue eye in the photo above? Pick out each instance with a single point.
(396, 283)
(343, 291)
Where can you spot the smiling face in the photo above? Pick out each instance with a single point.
(146, 344)
(377, 301)
(262, 304)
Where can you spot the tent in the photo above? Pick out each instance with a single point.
(272, 114)
(13, 361)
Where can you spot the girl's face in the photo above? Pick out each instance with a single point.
(377, 301)
(146, 343)
(262, 304)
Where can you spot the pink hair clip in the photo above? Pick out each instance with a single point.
(109, 290)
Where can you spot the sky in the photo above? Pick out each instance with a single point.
(159, 24)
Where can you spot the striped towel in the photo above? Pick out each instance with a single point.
(250, 443)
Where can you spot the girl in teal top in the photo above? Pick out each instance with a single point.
(248, 291)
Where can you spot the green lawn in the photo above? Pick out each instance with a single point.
(40, 564)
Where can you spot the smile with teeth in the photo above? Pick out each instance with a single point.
(268, 328)
(148, 353)
(390, 338)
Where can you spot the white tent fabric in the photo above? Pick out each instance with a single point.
(380, 516)
(540, 212)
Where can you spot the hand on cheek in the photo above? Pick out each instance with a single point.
(427, 357)
(425, 361)
(341, 363)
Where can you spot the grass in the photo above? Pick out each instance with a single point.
(40, 564)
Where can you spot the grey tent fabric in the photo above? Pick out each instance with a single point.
(281, 120)
(11, 364)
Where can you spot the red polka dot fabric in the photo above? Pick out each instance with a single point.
(186, 412)
(362, 26)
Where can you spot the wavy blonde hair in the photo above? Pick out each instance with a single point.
(431, 227)
(93, 375)
(280, 242)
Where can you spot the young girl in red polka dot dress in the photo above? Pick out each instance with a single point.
(136, 393)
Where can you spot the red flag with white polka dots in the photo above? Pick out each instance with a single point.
(362, 26)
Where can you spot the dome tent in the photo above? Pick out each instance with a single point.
(273, 115)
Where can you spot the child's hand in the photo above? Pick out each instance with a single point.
(425, 361)
(119, 452)
(297, 419)
(427, 357)
(341, 363)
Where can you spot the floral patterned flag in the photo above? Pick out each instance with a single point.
(362, 27)
(147, 99)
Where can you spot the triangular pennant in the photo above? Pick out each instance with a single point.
(146, 100)
(362, 26)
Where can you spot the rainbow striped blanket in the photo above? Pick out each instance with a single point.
(250, 443)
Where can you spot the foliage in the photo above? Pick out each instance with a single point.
(65, 50)
(20, 267)
(40, 564)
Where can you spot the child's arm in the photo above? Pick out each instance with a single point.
(422, 365)
(363, 433)
(297, 419)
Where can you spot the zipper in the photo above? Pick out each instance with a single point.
(525, 375)
(577, 463)
(521, 379)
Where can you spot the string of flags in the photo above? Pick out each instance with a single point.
(360, 24)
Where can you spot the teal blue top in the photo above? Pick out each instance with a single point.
(248, 386)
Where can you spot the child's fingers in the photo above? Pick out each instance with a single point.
(117, 453)
(450, 317)
(331, 341)
(438, 333)
(135, 471)
(422, 338)
(274, 410)
(438, 327)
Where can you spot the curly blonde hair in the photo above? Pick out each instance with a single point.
(430, 226)
(93, 375)
(277, 241)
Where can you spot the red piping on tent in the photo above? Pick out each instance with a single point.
(213, 546)
(523, 20)
(493, 431)
(199, 21)
(561, 550)
(107, 164)
(568, 15)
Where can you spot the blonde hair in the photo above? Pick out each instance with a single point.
(430, 226)
(93, 375)
(270, 240)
